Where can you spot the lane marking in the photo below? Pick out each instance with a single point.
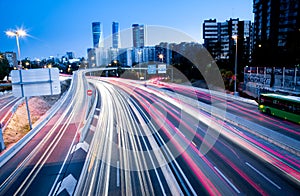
(227, 180)
(68, 184)
(92, 128)
(118, 174)
(96, 116)
(194, 144)
(97, 109)
(261, 174)
(83, 145)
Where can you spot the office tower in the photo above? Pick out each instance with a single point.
(138, 35)
(276, 32)
(97, 34)
(115, 35)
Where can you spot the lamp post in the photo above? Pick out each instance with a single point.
(235, 37)
(20, 33)
(17, 33)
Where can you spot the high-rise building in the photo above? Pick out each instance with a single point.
(219, 41)
(210, 36)
(276, 32)
(100, 52)
(115, 35)
(138, 35)
(97, 34)
(91, 54)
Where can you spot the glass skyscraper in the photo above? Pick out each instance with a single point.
(97, 34)
(115, 35)
(138, 36)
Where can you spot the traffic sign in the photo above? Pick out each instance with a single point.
(151, 69)
(89, 92)
(35, 82)
(162, 68)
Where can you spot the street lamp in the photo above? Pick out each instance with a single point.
(17, 33)
(235, 37)
(20, 33)
(161, 56)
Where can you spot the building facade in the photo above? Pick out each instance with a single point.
(211, 37)
(115, 35)
(276, 33)
(138, 35)
(97, 34)
(219, 40)
(91, 56)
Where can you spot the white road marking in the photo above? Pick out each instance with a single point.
(227, 180)
(118, 174)
(97, 109)
(92, 128)
(265, 177)
(96, 116)
(68, 184)
(83, 145)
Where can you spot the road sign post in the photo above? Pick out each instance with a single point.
(28, 113)
(2, 145)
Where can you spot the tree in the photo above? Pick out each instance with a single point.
(4, 67)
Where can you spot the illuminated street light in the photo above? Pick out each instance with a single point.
(17, 33)
(20, 33)
(161, 56)
(235, 37)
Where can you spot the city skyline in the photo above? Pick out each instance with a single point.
(57, 27)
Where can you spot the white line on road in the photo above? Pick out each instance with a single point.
(97, 109)
(227, 180)
(92, 128)
(83, 145)
(96, 116)
(68, 184)
(118, 173)
(265, 177)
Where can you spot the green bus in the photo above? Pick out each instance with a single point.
(283, 106)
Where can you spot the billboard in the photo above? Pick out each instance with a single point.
(35, 82)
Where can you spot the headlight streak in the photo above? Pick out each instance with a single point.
(252, 146)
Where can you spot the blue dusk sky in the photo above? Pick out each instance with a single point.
(58, 26)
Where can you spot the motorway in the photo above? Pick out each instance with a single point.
(239, 108)
(235, 162)
(132, 138)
